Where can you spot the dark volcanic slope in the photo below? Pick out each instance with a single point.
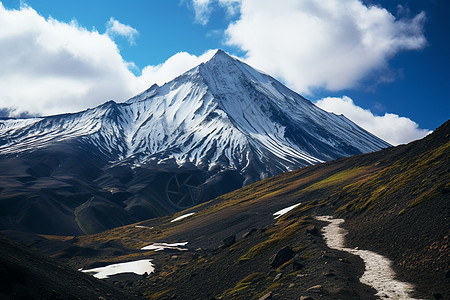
(68, 189)
(27, 275)
(395, 202)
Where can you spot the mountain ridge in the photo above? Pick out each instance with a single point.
(128, 121)
(217, 127)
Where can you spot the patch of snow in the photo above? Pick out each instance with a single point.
(162, 246)
(285, 210)
(378, 272)
(138, 267)
(142, 226)
(182, 217)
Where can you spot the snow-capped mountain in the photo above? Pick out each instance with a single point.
(222, 113)
(222, 117)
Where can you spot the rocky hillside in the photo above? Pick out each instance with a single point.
(28, 275)
(394, 202)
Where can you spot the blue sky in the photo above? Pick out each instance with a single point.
(385, 64)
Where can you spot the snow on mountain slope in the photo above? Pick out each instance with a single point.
(222, 114)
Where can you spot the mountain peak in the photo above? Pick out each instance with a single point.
(221, 53)
(221, 56)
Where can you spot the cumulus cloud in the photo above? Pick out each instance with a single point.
(172, 67)
(390, 127)
(114, 28)
(232, 6)
(204, 8)
(329, 44)
(49, 67)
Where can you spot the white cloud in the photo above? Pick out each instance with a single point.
(49, 67)
(172, 67)
(232, 6)
(390, 127)
(114, 27)
(329, 44)
(204, 8)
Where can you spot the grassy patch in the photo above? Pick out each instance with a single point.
(308, 255)
(127, 257)
(156, 295)
(235, 245)
(431, 193)
(284, 265)
(277, 284)
(271, 287)
(240, 286)
(298, 247)
(336, 179)
(128, 235)
(167, 270)
(405, 179)
(275, 238)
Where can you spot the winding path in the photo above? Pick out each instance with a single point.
(378, 272)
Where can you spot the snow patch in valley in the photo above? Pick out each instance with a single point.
(142, 226)
(285, 210)
(138, 267)
(378, 272)
(182, 217)
(162, 246)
